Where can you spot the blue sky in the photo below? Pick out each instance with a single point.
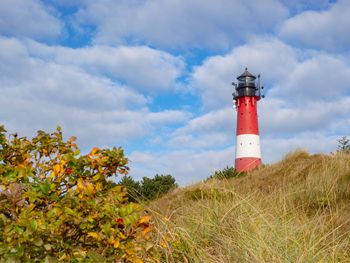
(154, 76)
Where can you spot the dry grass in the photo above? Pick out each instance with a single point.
(297, 210)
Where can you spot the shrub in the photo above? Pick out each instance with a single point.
(152, 188)
(344, 145)
(226, 173)
(57, 204)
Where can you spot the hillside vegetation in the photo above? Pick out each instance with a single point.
(297, 210)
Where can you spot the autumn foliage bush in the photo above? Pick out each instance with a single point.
(57, 204)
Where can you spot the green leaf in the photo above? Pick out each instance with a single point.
(38, 242)
(54, 212)
(97, 177)
(34, 224)
(45, 187)
(106, 228)
(18, 229)
(69, 211)
(19, 251)
(50, 259)
(48, 247)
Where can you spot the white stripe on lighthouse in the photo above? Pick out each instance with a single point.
(248, 145)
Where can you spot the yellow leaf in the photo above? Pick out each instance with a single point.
(94, 235)
(145, 219)
(89, 188)
(80, 253)
(31, 207)
(122, 236)
(80, 185)
(130, 251)
(99, 186)
(116, 243)
(64, 256)
(56, 169)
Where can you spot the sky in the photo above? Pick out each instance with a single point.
(154, 76)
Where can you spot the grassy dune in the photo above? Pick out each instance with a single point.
(297, 210)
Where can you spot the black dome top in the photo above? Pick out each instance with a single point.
(245, 74)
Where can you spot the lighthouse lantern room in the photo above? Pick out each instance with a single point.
(246, 96)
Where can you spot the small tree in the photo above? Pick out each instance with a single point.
(344, 145)
(153, 188)
(57, 204)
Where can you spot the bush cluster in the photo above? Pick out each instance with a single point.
(58, 204)
(148, 188)
(226, 173)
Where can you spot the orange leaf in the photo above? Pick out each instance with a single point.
(94, 150)
(147, 230)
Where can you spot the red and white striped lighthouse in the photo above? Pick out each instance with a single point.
(247, 94)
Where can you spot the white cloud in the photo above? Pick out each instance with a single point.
(279, 118)
(28, 18)
(321, 77)
(220, 120)
(34, 78)
(189, 166)
(184, 24)
(212, 130)
(186, 166)
(274, 149)
(144, 68)
(270, 57)
(327, 30)
(40, 94)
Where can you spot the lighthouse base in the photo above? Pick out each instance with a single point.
(246, 164)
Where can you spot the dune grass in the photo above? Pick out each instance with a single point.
(297, 210)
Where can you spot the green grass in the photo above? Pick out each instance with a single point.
(297, 210)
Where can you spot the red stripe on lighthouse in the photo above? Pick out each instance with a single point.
(246, 164)
(247, 117)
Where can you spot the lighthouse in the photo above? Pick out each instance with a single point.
(246, 96)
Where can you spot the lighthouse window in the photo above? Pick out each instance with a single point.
(249, 79)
